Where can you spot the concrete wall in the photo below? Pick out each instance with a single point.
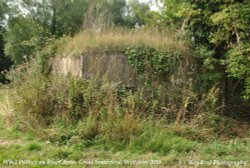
(67, 65)
(115, 68)
(111, 66)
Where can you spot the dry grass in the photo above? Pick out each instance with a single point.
(117, 40)
(6, 111)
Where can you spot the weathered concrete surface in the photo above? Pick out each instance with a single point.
(67, 65)
(114, 67)
(111, 66)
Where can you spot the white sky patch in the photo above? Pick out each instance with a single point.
(154, 6)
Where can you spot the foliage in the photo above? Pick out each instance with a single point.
(44, 55)
(23, 38)
(139, 14)
(5, 62)
(3, 10)
(58, 16)
(226, 39)
(105, 13)
(219, 32)
(62, 17)
(97, 111)
(247, 85)
(208, 76)
(43, 19)
(152, 61)
(176, 14)
(237, 61)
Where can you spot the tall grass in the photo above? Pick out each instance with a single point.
(70, 111)
(66, 110)
(118, 40)
(2, 94)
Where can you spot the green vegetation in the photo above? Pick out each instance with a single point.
(171, 145)
(70, 118)
(189, 103)
(219, 31)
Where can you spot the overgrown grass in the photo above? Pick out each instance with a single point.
(89, 116)
(154, 143)
(2, 94)
(118, 40)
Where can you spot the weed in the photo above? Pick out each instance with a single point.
(62, 153)
(34, 147)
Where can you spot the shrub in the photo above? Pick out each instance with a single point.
(30, 101)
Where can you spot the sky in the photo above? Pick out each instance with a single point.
(154, 6)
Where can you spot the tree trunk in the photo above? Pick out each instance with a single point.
(53, 21)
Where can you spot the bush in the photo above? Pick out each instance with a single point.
(22, 43)
(30, 100)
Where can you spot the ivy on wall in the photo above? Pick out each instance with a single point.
(152, 61)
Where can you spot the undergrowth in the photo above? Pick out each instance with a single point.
(94, 113)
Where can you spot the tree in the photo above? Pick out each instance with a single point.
(176, 14)
(58, 16)
(31, 22)
(139, 13)
(219, 30)
(105, 13)
(23, 37)
(5, 62)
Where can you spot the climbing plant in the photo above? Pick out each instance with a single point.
(152, 61)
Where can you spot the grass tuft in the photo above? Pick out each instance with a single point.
(34, 147)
